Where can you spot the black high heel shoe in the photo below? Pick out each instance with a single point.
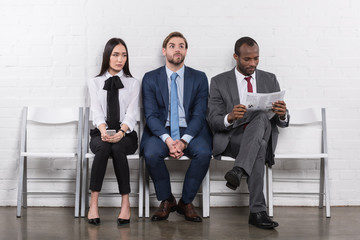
(94, 221)
(122, 222)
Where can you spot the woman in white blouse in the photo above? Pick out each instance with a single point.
(114, 95)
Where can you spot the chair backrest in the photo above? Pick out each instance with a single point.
(306, 132)
(48, 118)
(53, 115)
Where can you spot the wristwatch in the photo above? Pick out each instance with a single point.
(184, 142)
(122, 131)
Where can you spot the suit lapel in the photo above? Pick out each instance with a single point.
(188, 88)
(164, 89)
(260, 84)
(233, 87)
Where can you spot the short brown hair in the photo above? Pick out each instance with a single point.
(174, 34)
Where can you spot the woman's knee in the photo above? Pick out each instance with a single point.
(102, 147)
(115, 149)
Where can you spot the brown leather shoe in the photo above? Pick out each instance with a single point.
(165, 208)
(188, 211)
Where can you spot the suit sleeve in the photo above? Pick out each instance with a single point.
(216, 108)
(278, 122)
(151, 109)
(198, 107)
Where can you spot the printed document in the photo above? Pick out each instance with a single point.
(263, 101)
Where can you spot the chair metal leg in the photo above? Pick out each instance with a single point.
(84, 189)
(141, 187)
(270, 191)
(147, 194)
(78, 164)
(327, 191)
(265, 184)
(206, 195)
(20, 187)
(321, 190)
(326, 171)
(24, 193)
(77, 186)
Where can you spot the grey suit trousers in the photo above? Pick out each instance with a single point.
(248, 146)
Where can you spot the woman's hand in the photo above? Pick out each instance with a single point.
(115, 138)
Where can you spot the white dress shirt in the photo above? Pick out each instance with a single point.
(128, 99)
(242, 85)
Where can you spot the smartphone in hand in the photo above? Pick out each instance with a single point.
(110, 132)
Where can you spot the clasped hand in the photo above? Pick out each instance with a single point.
(176, 147)
(112, 139)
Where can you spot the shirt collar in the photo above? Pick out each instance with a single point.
(240, 76)
(120, 74)
(180, 72)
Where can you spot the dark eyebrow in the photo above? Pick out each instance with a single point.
(120, 52)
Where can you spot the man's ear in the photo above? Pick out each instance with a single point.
(164, 51)
(236, 57)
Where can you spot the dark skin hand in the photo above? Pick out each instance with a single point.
(279, 108)
(237, 113)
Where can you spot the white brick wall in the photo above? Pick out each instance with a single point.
(49, 49)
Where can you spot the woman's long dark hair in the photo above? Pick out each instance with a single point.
(107, 53)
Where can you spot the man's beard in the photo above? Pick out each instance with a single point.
(246, 71)
(176, 63)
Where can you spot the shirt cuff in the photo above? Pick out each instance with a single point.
(130, 129)
(98, 124)
(285, 120)
(187, 138)
(226, 123)
(164, 136)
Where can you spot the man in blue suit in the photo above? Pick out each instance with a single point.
(175, 104)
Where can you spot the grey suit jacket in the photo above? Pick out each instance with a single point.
(224, 95)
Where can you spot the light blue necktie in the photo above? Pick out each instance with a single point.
(174, 110)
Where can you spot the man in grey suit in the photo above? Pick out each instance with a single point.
(248, 136)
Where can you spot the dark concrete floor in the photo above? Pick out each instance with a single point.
(307, 223)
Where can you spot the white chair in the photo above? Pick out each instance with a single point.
(205, 189)
(305, 138)
(50, 118)
(87, 155)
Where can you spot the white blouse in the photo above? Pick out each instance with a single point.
(128, 99)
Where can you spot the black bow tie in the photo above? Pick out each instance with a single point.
(113, 83)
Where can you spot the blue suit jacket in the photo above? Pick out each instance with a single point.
(155, 95)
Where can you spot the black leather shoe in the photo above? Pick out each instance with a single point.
(233, 177)
(94, 221)
(122, 222)
(262, 220)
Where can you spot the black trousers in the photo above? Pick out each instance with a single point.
(118, 152)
